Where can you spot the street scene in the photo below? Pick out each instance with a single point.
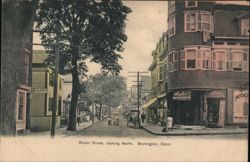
(172, 76)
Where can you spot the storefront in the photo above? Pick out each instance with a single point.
(199, 107)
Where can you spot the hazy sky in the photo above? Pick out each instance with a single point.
(145, 25)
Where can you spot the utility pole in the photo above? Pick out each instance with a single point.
(138, 97)
(55, 92)
(138, 94)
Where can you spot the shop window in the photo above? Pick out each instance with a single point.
(171, 7)
(245, 27)
(191, 4)
(173, 61)
(21, 105)
(171, 26)
(198, 21)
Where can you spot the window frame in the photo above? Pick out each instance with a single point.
(173, 61)
(199, 55)
(171, 26)
(198, 21)
(215, 61)
(23, 116)
(244, 27)
(187, 6)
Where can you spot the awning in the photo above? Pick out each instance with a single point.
(150, 103)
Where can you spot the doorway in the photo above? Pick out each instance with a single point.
(213, 112)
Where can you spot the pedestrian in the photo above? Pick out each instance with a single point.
(143, 117)
(109, 120)
(78, 119)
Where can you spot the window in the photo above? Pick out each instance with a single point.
(51, 79)
(171, 26)
(206, 59)
(173, 61)
(239, 60)
(198, 21)
(191, 57)
(171, 7)
(220, 60)
(21, 102)
(191, 4)
(194, 58)
(50, 103)
(245, 27)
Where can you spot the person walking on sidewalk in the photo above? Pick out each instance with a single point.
(78, 119)
(109, 120)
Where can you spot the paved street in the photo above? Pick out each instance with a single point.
(102, 129)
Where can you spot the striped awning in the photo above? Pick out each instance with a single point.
(150, 103)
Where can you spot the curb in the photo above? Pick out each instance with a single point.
(192, 134)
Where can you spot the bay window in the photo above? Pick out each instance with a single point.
(171, 26)
(198, 21)
(173, 61)
(195, 58)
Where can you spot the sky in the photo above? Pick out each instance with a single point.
(144, 27)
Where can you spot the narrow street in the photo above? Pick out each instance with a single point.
(103, 129)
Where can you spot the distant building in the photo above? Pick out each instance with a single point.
(42, 94)
(156, 101)
(208, 63)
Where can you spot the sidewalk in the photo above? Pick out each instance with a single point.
(181, 130)
(63, 130)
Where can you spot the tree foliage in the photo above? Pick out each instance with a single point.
(84, 29)
(105, 89)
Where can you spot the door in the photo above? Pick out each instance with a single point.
(213, 112)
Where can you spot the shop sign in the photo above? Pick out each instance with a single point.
(39, 90)
(182, 96)
(240, 106)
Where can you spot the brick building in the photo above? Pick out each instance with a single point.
(208, 54)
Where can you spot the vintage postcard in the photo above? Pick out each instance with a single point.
(118, 81)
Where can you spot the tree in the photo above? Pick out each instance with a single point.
(17, 22)
(106, 90)
(84, 29)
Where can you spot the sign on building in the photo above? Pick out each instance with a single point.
(240, 106)
(182, 96)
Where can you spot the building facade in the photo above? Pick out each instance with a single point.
(42, 94)
(208, 57)
(156, 104)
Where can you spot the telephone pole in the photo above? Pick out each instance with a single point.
(55, 90)
(138, 93)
